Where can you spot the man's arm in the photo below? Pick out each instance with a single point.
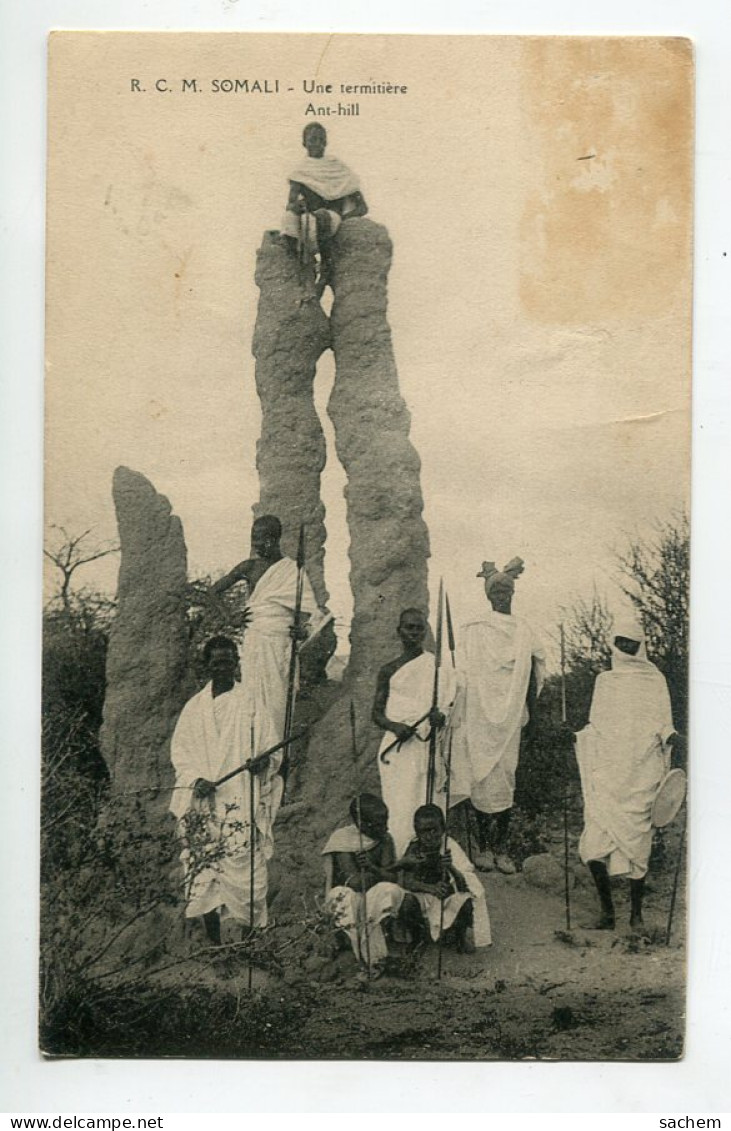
(360, 208)
(240, 572)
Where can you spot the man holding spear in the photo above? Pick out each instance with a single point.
(282, 614)
(413, 696)
(225, 825)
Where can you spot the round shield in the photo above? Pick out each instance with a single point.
(669, 798)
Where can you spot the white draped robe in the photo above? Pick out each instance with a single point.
(623, 757)
(496, 658)
(211, 738)
(403, 779)
(431, 907)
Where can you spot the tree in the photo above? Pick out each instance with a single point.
(70, 553)
(655, 576)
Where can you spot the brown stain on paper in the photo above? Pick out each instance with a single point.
(606, 232)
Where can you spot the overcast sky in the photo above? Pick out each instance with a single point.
(538, 198)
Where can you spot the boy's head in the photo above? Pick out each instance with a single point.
(429, 826)
(370, 815)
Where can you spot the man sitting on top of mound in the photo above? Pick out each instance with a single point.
(322, 193)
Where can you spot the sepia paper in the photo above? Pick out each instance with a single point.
(537, 195)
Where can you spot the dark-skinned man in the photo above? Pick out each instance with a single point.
(623, 754)
(211, 738)
(323, 192)
(272, 585)
(404, 691)
(502, 665)
(360, 886)
(435, 869)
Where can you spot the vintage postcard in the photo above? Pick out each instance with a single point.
(367, 481)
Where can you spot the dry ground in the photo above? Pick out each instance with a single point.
(536, 993)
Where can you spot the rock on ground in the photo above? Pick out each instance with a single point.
(543, 871)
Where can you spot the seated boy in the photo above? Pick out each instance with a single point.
(435, 869)
(360, 883)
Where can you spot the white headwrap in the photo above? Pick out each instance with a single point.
(493, 575)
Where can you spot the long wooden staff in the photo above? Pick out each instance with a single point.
(567, 889)
(451, 644)
(676, 877)
(252, 835)
(364, 907)
(292, 674)
(431, 772)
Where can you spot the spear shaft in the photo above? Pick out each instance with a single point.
(252, 837)
(272, 750)
(292, 674)
(364, 906)
(566, 886)
(431, 772)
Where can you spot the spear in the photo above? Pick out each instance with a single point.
(292, 675)
(252, 834)
(272, 750)
(452, 649)
(567, 890)
(431, 772)
(364, 907)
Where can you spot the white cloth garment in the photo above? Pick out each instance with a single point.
(357, 914)
(265, 657)
(431, 905)
(329, 177)
(211, 738)
(304, 228)
(623, 757)
(403, 779)
(496, 657)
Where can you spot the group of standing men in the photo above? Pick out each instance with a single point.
(387, 857)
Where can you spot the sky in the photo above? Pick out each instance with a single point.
(538, 197)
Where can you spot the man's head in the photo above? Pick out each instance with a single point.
(370, 815)
(629, 636)
(626, 645)
(429, 826)
(500, 593)
(221, 657)
(500, 584)
(412, 628)
(314, 139)
(266, 533)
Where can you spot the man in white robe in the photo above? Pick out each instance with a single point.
(502, 665)
(404, 694)
(268, 636)
(212, 737)
(323, 192)
(623, 755)
(436, 871)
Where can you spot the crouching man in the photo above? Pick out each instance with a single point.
(361, 889)
(435, 870)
